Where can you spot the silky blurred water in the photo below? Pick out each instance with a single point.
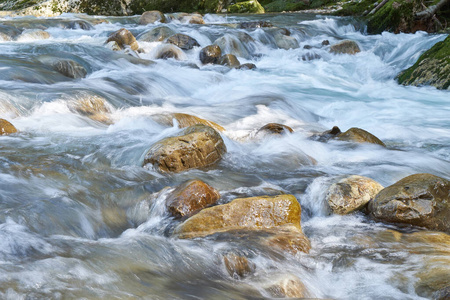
(81, 218)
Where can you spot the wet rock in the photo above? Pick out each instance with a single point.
(77, 24)
(6, 127)
(420, 199)
(310, 56)
(288, 239)
(345, 47)
(327, 135)
(359, 135)
(190, 197)
(69, 68)
(286, 42)
(183, 41)
(4, 37)
(210, 54)
(33, 34)
(233, 45)
(169, 51)
(307, 47)
(229, 60)
(351, 194)
(197, 146)
(274, 129)
(255, 24)
(92, 106)
(238, 266)
(247, 66)
(158, 34)
(150, 17)
(251, 6)
(431, 68)
(255, 213)
(442, 294)
(123, 38)
(288, 286)
(325, 42)
(184, 120)
(196, 19)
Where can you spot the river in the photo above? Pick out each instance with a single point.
(81, 218)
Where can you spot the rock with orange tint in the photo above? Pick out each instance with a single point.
(6, 127)
(184, 120)
(238, 266)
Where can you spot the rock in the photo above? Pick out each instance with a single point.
(190, 197)
(327, 135)
(183, 41)
(157, 34)
(310, 56)
(233, 45)
(325, 42)
(167, 51)
(247, 66)
(238, 266)
(197, 146)
(210, 54)
(123, 38)
(288, 286)
(252, 7)
(274, 129)
(150, 17)
(196, 20)
(420, 199)
(432, 68)
(359, 135)
(92, 106)
(255, 213)
(351, 194)
(442, 294)
(255, 24)
(33, 34)
(6, 127)
(288, 239)
(229, 60)
(185, 120)
(286, 42)
(69, 68)
(345, 47)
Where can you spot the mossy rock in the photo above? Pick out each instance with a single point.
(252, 7)
(286, 5)
(432, 68)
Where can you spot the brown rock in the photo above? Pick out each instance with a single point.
(419, 199)
(247, 66)
(197, 146)
(158, 34)
(167, 51)
(359, 135)
(289, 239)
(69, 68)
(351, 194)
(123, 38)
(274, 129)
(210, 54)
(196, 20)
(255, 213)
(345, 47)
(288, 286)
(238, 266)
(150, 17)
(190, 197)
(6, 127)
(183, 41)
(229, 60)
(185, 120)
(93, 107)
(255, 24)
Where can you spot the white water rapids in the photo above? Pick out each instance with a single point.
(78, 218)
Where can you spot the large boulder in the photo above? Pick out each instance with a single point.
(359, 135)
(345, 47)
(123, 37)
(277, 215)
(432, 68)
(184, 120)
(150, 17)
(351, 194)
(157, 34)
(419, 199)
(197, 146)
(210, 54)
(190, 197)
(6, 127)
(251, 6)
(183, 41)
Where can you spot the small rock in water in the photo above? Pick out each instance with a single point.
(238, 266)
(6, 127)
(420, 199)
(197, 146)
(274, 129)
(247, 66)
(150, 17)
(93, 107)
(183, 41)
(325, 42)
(191, 197)
(351, 194)
(69, 68)
(210, 54)
(255, 24)
(359, 135)
(167, 51)
(184, 120)
(158, 34)
(288, 286)
(33, 34)
(123, 37)
(229, 60)
(345, 47)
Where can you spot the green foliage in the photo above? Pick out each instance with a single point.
(21, 4)
(167, 6)
(286, 5)
(251, 6)
(356, 8)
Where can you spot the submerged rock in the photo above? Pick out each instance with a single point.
(274, 129)
(6, 127)
(210, 54)
(150, 17)
(359, 135)
(238, 46)
(167, 51)
(69, 68)
(345, 47)
(33, 34)
(251, 6)
(432, 68)
(92, 106)
(229, 60)
(197, 146)
(287, 286)
(123, 37)
(351, 194)
(255, 24)
(247, 66)
(190, 197)
(183, 41)
(419, 199)
(157, 34)
(184, 120)
(238, 266)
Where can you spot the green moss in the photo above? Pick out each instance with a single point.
(432, 67)
(167, 6)
(251, 6)
(286, 5)
(356, 8)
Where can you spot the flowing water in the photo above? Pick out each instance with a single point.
(81, 218)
